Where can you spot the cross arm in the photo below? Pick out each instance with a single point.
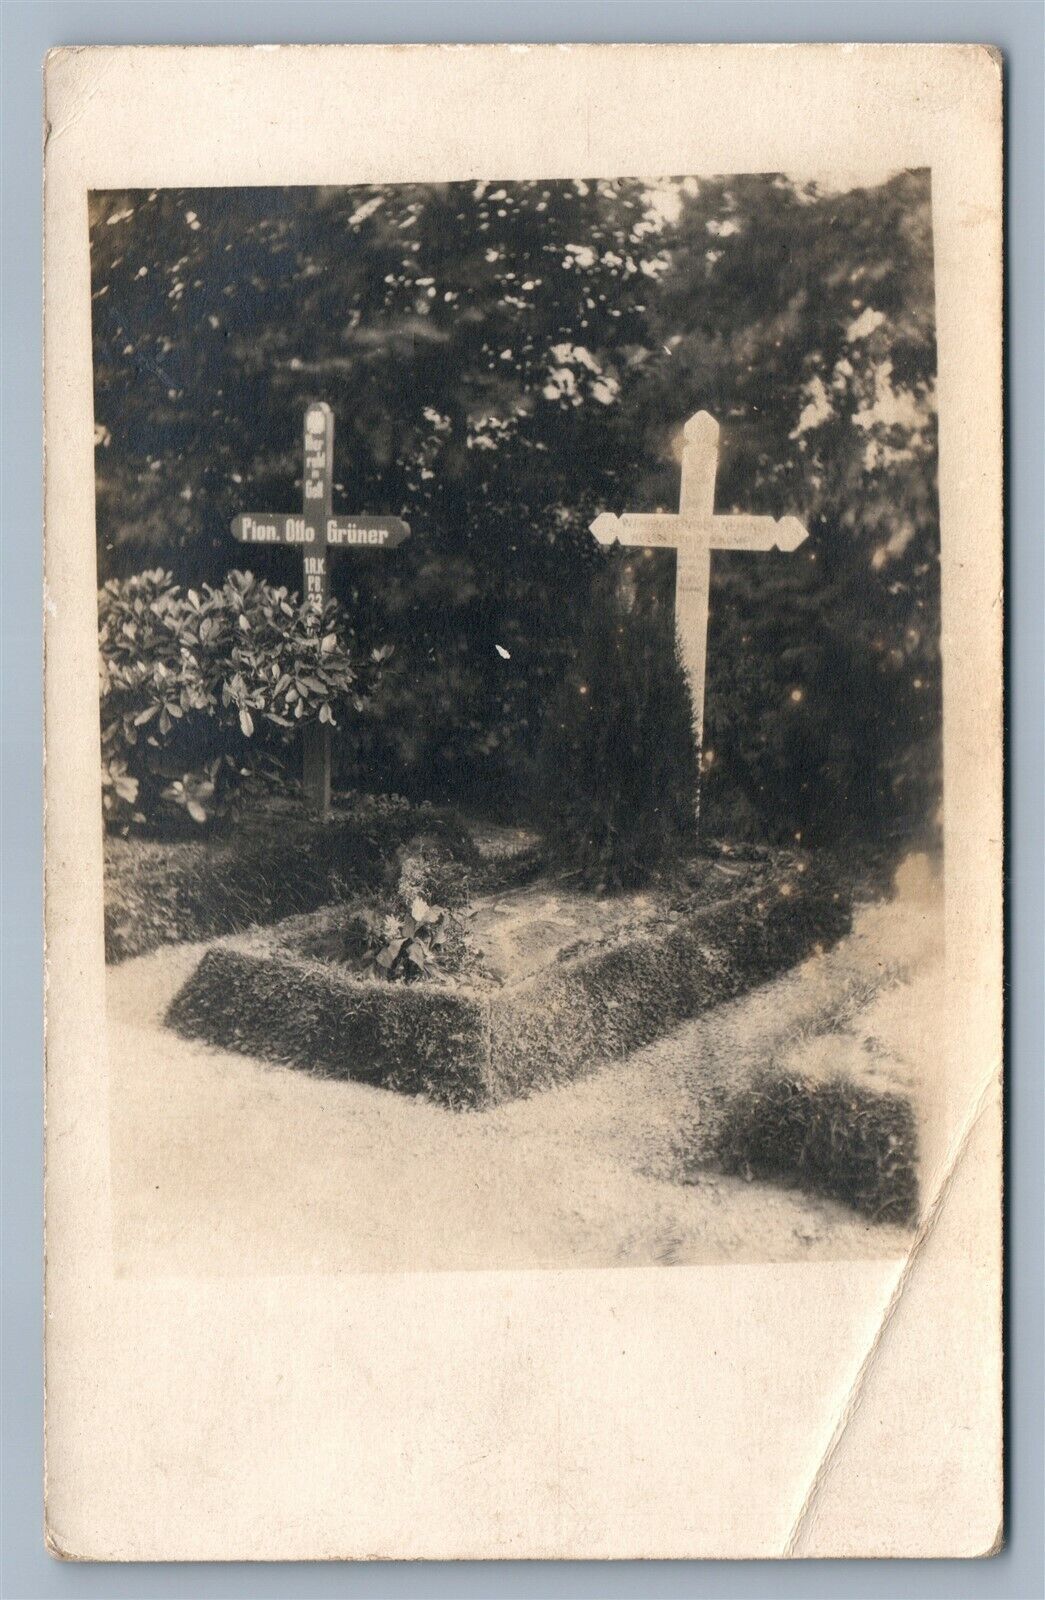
(661, 530)
(383, 532)
(756, 533)
(658, 530)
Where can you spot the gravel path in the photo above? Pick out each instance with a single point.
(223, 1164)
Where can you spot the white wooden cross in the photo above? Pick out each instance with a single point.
(693, 533)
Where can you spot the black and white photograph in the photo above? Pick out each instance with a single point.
(520, 717)
(523, 626)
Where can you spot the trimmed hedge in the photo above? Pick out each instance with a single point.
(612, 1001)
(474, 1046)
(279, 864)
(414, 1038)
(834, 1137)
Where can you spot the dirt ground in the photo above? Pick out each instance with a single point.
(223, 1164)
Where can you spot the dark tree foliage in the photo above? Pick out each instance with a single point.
(503, 362)
(619, 760)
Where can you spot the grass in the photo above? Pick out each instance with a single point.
(286, 993)
(309, 1013)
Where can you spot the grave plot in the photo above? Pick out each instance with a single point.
(527, 988)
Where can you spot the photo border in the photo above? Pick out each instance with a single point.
(28, 30)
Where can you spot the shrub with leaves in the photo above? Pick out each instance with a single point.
(410, 945)
(199, 689)
(619, 763)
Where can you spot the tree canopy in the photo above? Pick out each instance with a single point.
(503, 362)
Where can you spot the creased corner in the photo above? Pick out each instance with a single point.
(80, 100)
(854, 1396)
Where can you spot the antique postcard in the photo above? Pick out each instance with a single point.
(524, 802)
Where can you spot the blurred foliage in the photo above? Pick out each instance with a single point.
(199, 690)
(618, 760)
(503, 362)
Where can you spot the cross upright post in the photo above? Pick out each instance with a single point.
(693, 533)
(315, 532)
(317, 492)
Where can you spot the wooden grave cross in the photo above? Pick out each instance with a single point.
(693, 533)
(316, 532)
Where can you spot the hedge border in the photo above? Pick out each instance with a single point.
(833, 1137)
(471, 1048)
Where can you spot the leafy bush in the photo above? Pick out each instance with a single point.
(400, 945)
(619, 763)
(200, 689)
(409, 945)
(399, 934)
(418, 938)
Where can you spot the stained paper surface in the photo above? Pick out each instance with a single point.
(225, 1383)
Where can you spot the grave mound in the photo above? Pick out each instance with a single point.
(542, 984)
